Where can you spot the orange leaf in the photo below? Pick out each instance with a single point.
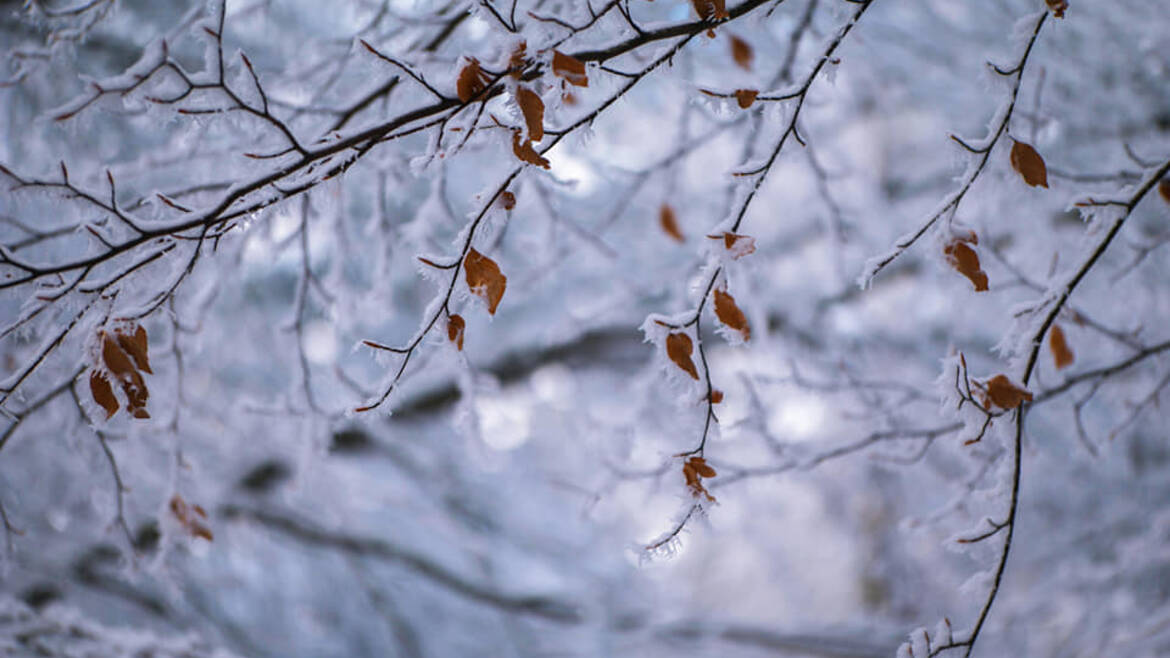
(570, 68)
(533, 109)
(745, 97)
(1028, 163)
(136, 347)
(102, 393)
(523, 150)
(738, 245)
(730, 315)
(679, 348)
(484, 278)
(1164, 189)
(455, 326)
(472, 80)
(701, 467)
(1005, 394)
(1058, 7)
(710, 10)
(742, 53)
(669, 224)
(716, 396)
(964, 259)
(1061, 354)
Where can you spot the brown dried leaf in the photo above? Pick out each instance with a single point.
(116, 360)
(455, 326)
(669, 223)
(701, 467)
(523, 150)
(517, 62)
(103, 393)
(964, 259)
(716, 396)
(1164, 189)
(484, 278)
(742, 53)
(1028, 163)
(1005, 394)
(710, 10)
(136, 347)
(185, 514)
(745, 97)
(730, 315)
(738, 245)
(533, 109)
(570, 68)
(472, 80)
(1061, 354)
(1058, 7)
(679, 348)
(507, 200)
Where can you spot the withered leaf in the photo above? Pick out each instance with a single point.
(729, 314)
(507, 200)
(186, 514)
(116, 360)
(964, 259)
(1164, 189)
(1058, 7)
(522, 148)
(484, 278)
(716, 396)
(738, 245)
(103, 393)
(1028, 164)
(710, 10)
(701, 467)
(1062, 356)
(570, 68)
(135, 345)
(679, 348)
(472, 80)
(669, 223)
(533, 109)
(742, 53)
(1005, 394)
(455, 326)
(517, 61)
(745, 97)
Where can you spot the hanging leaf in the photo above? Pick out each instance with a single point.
(738, 245)
(701, 467)
(964, 259)
(1164, 189)
(1057, 7)
(102, 393)
(518, 61)
(472, 80)
(484, 278)
(716, 396)
(1005, 393)
(669, 223)
(742, 53)
(455, 326)
(186, 516)
(745, 97)
(135, 345)
(1028, 164)
(730, 315)
(533, 110)
(119, 364)
(679, 348)
(710, 10)
(1062, 356)
(570, 68)
(694, 470)
(522, 148)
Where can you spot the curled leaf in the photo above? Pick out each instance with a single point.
(1062, 356)
(455, 327)
(669, 223)
(964, 259)
(522, 148)
(472, 80)
(1028, 164)
(679, 348)
(120, 365)
(729, 314)
(103, 393)
(533, 110)
(135, 345)
(1006, 394)
(742, 53)
(694, 470)
(570, 68)
(484, 278)
(745, 97)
